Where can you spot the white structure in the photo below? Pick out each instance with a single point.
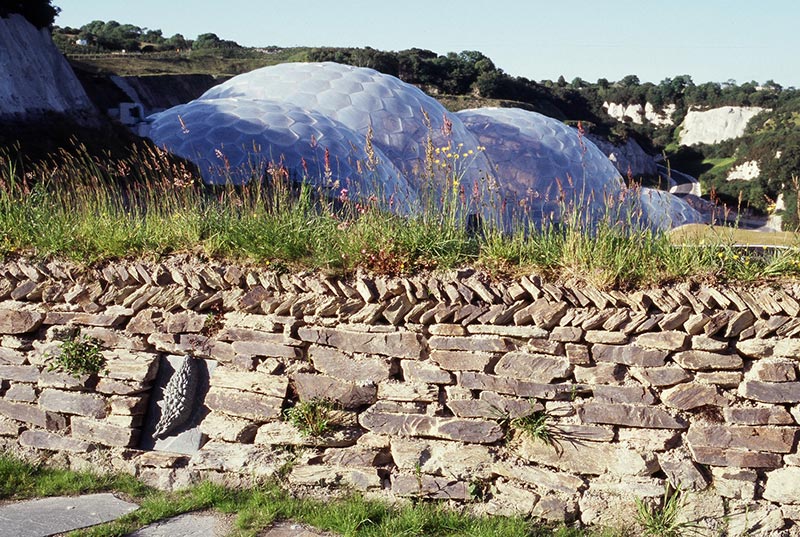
(237, 139)
(401, 115)
(314, 121)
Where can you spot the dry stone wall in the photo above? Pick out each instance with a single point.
(512, 397)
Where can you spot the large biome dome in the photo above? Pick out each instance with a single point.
(401, 115)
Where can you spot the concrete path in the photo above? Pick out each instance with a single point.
(187, 525)
(293, 529)
(49, 516)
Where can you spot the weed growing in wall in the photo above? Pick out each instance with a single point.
(663, 520)
(536, 425)
(79, 355)
(312, 418)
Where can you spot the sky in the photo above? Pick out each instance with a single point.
(711, 40)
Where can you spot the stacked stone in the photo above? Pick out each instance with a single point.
(55, 411)
(694, 386)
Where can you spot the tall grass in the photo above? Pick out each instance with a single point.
(92, 209)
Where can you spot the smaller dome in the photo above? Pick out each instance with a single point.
(542, 165)
(661, 211)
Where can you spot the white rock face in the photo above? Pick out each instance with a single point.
(640, 114)
(746, 171)
(662, 118)
(34, 76)
(716, 125)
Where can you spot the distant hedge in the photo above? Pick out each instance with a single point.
(40, 13)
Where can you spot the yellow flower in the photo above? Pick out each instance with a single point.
(470, 151)
(437, 161)
(449, 155)
(720, 255)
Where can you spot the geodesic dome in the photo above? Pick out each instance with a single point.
(542, 165)
(230, 139)
(661, 210)
(359, 98)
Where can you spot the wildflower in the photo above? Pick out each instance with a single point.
(372, 160)
(470, 152)
(344, 195)
(447, 126)
(328, 171)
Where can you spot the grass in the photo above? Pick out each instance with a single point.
(536, 425)
(210, 62)
(312, 418)
(94, 209)
(664, 520)
(257, 507)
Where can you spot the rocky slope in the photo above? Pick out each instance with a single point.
(35, 78)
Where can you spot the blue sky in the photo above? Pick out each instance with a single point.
(711, 40)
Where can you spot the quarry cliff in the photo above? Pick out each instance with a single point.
(35, 79)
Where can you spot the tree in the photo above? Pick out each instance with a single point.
(40, 13)
(177, 41)
(212, 41)
(577, 83)
(629, 81)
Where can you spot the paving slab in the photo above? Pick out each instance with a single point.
(293, 529)
(186, 525)
(49, 516)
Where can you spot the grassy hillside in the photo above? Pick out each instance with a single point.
(215, 63)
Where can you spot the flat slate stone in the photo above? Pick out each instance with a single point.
(186, 525)
(49, 516)
(293, 529)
